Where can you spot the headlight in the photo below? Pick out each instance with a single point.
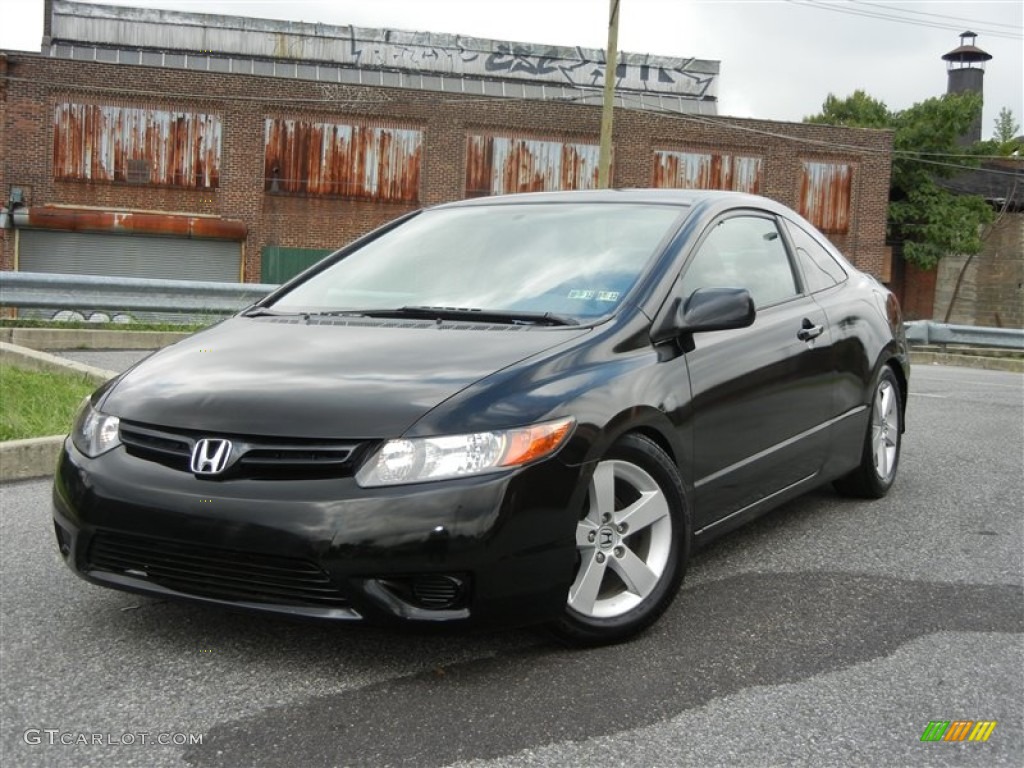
(417, 460)
(93, 432)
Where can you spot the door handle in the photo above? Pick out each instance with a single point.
(809, 331)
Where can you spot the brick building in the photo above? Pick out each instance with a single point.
(143, 142)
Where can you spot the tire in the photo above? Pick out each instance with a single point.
(632, 545)
(880, 456)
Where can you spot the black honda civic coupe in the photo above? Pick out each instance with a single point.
(503, 411)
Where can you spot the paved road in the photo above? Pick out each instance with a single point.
(828, 633)
(109, 359)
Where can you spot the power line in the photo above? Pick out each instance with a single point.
(973, 22)
(822, 6)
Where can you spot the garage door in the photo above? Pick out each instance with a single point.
(118, 255)
(172, 258)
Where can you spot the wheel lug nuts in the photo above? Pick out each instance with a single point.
(606, 517)
(620, 551)
(600, 557)
(621, 527)
(591, 536)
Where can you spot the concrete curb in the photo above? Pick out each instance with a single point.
(1014, 365)
(70, 338)
(37, 456)
(25, 459)
(33, 360)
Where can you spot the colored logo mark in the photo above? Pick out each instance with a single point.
(958, 730)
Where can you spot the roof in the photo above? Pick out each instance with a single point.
(967, 53)
(370, 56)
(1000, 182)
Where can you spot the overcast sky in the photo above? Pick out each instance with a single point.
(779, 58)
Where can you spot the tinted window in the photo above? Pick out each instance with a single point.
(820, 270)
(743, 252)
(572, 259)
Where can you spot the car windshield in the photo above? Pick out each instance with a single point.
(575, 260)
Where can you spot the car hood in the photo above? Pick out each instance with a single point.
(350, 379)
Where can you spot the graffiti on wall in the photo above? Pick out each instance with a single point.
(497, 165)
(825, 195)
(575, 66)
(142, 146)
(337, 159)
(425, 53)
(695, 170)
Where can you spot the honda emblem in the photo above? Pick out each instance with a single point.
(210, 457)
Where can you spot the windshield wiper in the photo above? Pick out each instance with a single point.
(512, 317)
(267, 312)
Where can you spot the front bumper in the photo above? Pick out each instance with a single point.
(490, 550)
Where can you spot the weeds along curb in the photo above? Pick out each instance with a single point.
(37, 456)
(34, 360)
(1014, 365)
(84, 338)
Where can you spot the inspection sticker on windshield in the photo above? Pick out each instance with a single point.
(594, 295)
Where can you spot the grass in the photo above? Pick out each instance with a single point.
(79, 325)
(36, 403)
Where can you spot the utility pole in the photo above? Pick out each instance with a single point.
(604, 164)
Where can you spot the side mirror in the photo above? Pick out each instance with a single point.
(717, 309)
(707, 309)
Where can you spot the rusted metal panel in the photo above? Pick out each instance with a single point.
(479, 165)
(373, 162)
(497, 165)
(695, 170)
(825, 195)
(130, 223)
(111, 143)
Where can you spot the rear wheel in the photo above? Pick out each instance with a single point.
(880, 458)
(632, 544)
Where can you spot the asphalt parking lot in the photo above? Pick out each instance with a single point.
(828, 633)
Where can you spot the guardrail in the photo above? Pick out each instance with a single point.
(39, 290)
(928, 332)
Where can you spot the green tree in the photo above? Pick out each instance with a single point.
(857, 110)
(930, 221)
(1006, 126)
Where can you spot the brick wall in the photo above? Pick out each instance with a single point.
(243, 103)
(916, 291)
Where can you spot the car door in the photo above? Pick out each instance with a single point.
(761, 395)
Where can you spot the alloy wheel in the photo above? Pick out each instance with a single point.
(623, 542)
(885, 429)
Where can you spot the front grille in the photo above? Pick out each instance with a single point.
(205, 571)
(250, 456)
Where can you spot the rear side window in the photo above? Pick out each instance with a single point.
(821, 271)
(743, 252)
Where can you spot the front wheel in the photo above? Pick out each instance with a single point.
(880, 456)
(632, 544)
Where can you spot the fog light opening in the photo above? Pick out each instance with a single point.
(63, 540)
(430, 591)
(437, 590)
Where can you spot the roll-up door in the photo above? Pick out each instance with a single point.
(120, 255)
(117, 255)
